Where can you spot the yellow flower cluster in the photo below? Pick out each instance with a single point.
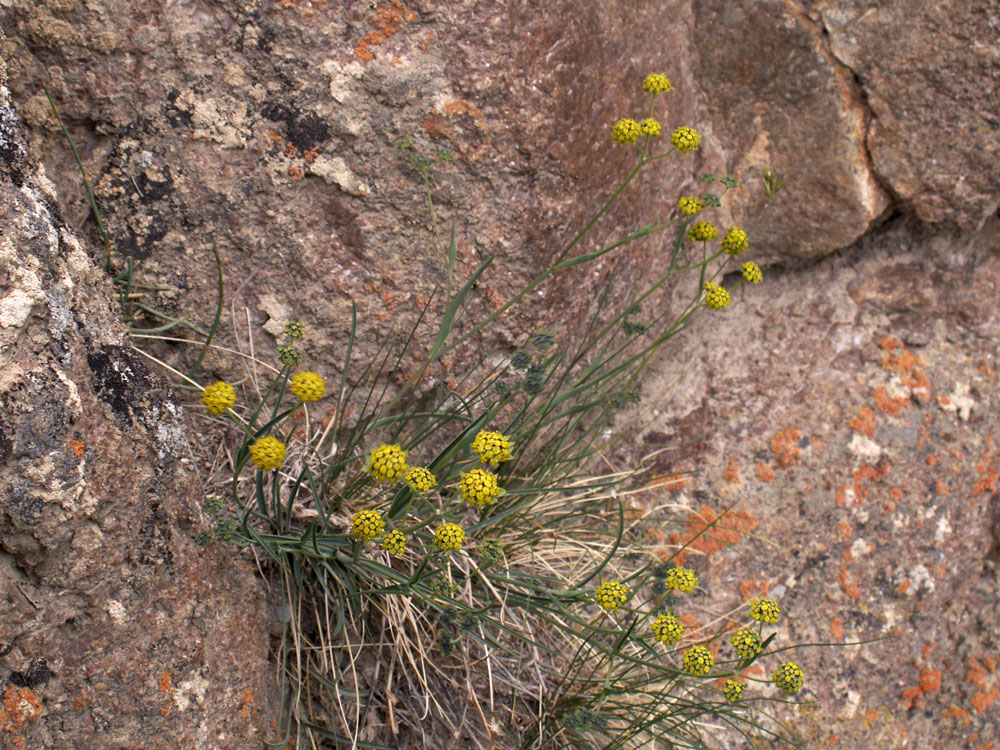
(656, 84)
(681, 579)
(702, 231)
(367, 524)
(611, 595)
(420, 479)
(267, 453)
(650, 126)
(449, 536)
(765, 610)
(480, 488)
(668, 629)
(394, 543)
(625, 131)
(788, 677)
(735, 241)
(716, 297)
(733, 690)
(387, 463)
(685, 139)
(491, 447)
(219, 397)
(746, 642)
(698, 660)
(690, 205)
(751, 272)
(308, 386)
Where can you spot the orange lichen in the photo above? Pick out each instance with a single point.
(76, 446)
(707, 533)
(785, 446)
(987, 482)
(753, 589)
(732, 472)
(932, 460)
(930, 680)
(913, 697)
(981, 701)
(837, 629)
(887, 403)
(388, 19)
(896, 493)
(310, 155)
(295, 172)
(764, 472)
(955, 712)
(845, 531)
(850, 588)
(167, 688)
(247, 697)
(941, 487)
(864, 422)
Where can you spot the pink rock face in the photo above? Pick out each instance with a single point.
(931, 78)
(270, 131)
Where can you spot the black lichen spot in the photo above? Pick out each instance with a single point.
(177, 117)
(43, 430)
(155, 539)
(22, 507)
(305, 130)
(12, 153)
(37, 673)
(6, 444)
(121, 378)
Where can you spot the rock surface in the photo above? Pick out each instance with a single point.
(115, 630)
(269, 131)
(849, 411)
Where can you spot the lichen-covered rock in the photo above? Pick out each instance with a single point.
(115, 630)
(846, 415)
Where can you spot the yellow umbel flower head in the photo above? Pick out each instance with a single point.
(449, 536)
(681, 579)
(685, 139)
(625, 131)
(735, 241)
(668, 629)
(656, 84)
(690, 205)
(698, 661)
(716, 297)
(765, 610)
(267, 453)
(219, 397)
(751, 272)
(702, 231)
(650, 126)
(746, 642)
(491, 447)
(308, 386)
(733, 690)
(367, 524)
(394, 543)
(788, 677)
(420, 479)
(388, 463)
(611, 595)
(480, 488)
